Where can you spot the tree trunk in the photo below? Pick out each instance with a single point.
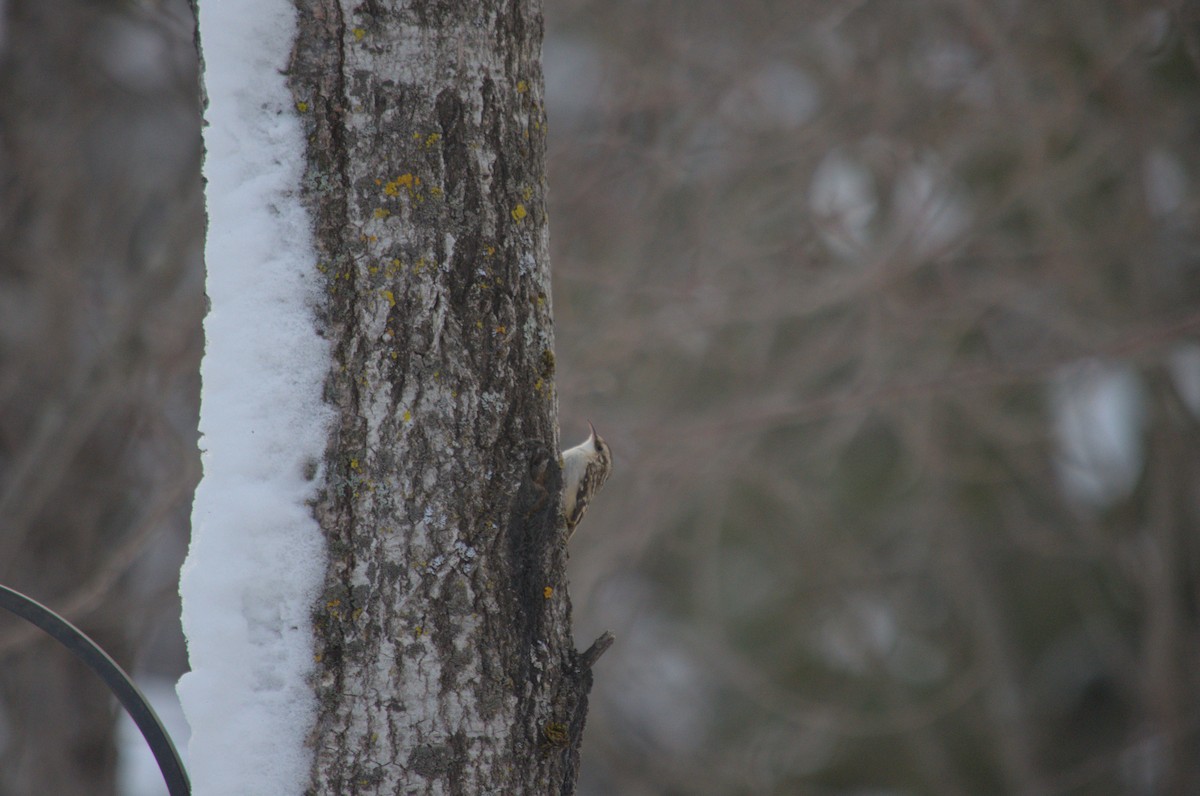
(445, 659)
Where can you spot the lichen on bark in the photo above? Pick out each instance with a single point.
(441, 661)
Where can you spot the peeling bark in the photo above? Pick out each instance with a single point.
(445, 660)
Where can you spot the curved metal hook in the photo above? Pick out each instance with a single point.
(114, 677)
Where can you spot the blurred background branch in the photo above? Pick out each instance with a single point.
(888, 310)
(101, 296)
(898, 353)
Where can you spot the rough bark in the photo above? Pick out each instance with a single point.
(445, 660)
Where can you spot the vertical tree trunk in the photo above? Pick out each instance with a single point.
(445, 656)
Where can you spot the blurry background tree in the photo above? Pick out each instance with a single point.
(890, 311)
(101, 295)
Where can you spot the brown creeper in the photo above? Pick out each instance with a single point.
(585, 469)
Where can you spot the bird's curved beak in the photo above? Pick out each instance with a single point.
(593, 428)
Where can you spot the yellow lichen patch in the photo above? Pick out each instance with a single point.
(522, 86)
(435, 191)
(382, 212)
(501, 329)
(358, 33)
(489, 250)
(407, 181)
(519, 212)
(332, 606)
(355, 466)
(527, 193)
(407, 416)
(432, 139)
(548, 592)
(556, 733)
(302, 106)
(390, 296)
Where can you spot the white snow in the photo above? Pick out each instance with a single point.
(257, 558)
(1099, 416)
(843, 201)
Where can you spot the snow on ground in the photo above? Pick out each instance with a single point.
(256, 558)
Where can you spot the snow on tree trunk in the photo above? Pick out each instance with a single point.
(445, 662)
